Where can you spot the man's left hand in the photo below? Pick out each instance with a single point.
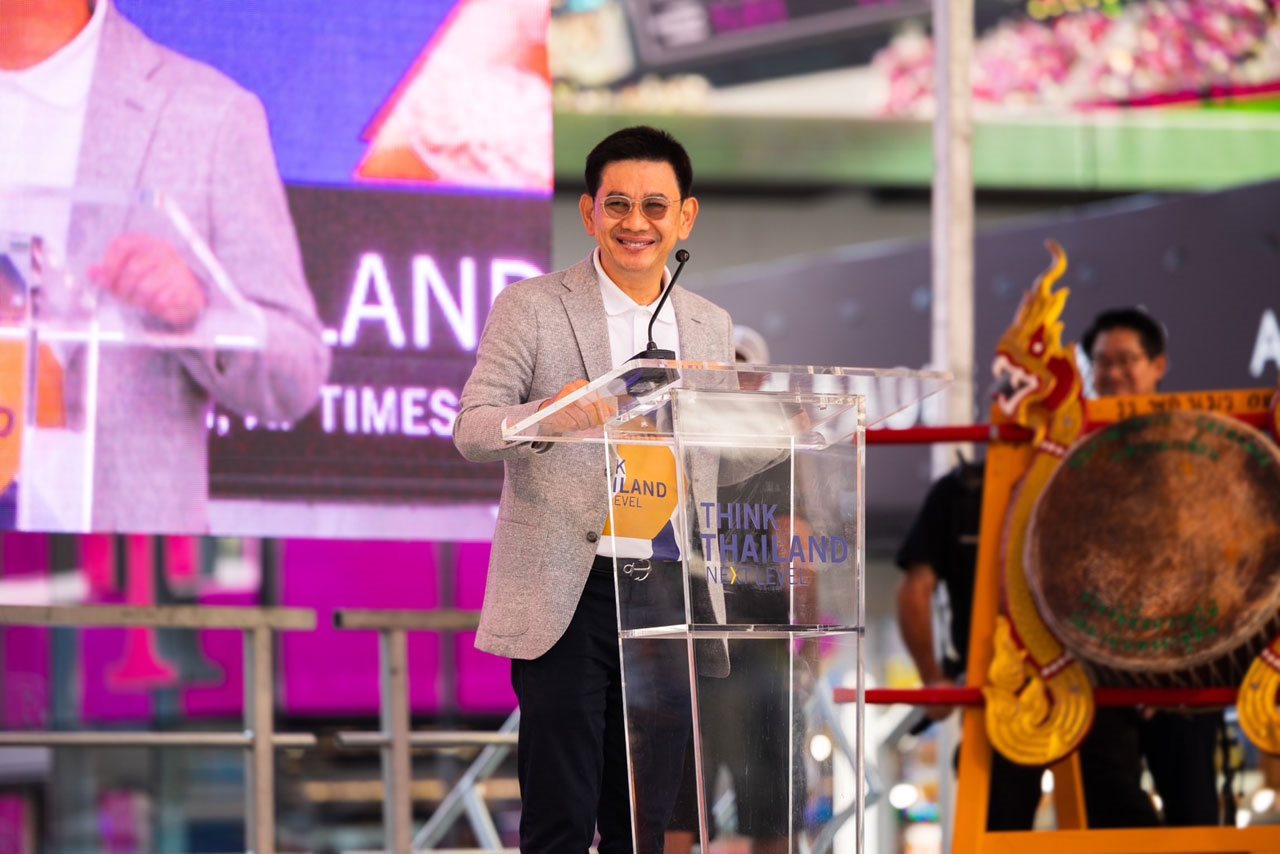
(150, 274)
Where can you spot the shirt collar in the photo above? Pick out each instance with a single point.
(616, 302)
(64, 78)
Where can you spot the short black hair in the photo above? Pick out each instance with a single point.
(640, 143)
(1150, 331)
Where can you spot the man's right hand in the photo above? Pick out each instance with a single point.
(581, 414)
(150, 274)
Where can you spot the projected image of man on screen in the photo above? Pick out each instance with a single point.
(91, 103)
(549, 599)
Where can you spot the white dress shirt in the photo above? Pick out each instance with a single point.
(42, 120)
(629, 334)
(43, 109)
(629, 321)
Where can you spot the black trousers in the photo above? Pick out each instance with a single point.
(1179, 751)
(745, 719)
(1180, 755)
(572, 754)
(1014, 794)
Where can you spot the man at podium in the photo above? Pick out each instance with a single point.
(549, 600)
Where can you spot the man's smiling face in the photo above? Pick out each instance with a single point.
(634, 247)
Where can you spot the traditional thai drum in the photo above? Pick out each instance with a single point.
(1154, 550)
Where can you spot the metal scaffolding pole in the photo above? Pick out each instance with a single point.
(952, 241)
(952, 214)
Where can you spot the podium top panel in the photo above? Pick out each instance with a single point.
(59, 247)
(738, 404)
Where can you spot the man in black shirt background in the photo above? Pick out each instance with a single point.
(942, 546)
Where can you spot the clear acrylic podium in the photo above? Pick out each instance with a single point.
(748, 609)
(57, 327)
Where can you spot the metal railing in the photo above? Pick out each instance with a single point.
(259, 738)
(396, 741)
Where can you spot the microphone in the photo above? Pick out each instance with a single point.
(641, 381)
(651, 350)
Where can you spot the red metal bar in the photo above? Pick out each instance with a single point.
(1189, 697)
(1182, 697)
(1261, 420)
(964, 433)
(915, 696)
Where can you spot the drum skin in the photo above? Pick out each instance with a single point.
(1154, 550)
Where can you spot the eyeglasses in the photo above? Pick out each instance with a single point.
(654, 208)
(1122, 360)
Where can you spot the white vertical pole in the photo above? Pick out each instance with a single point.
(952, 305)
(952, 214)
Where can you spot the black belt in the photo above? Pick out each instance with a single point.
(604, 565)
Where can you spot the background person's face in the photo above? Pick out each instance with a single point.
(1121, 366)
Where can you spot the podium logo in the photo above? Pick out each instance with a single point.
(759, 545)
(760, 577)
(637, 486)
(642, 492)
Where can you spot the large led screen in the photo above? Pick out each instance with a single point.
(1112, 95)
(248, 251)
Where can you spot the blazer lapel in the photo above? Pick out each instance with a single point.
(124, 106)
(585, 307)
(697, 338)
(120, 120)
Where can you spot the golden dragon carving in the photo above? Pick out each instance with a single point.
(1039, 698)
(1040, 701)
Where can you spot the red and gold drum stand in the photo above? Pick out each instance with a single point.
(1039, 699)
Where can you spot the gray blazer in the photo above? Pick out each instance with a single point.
(158, 120)
(541, 334)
